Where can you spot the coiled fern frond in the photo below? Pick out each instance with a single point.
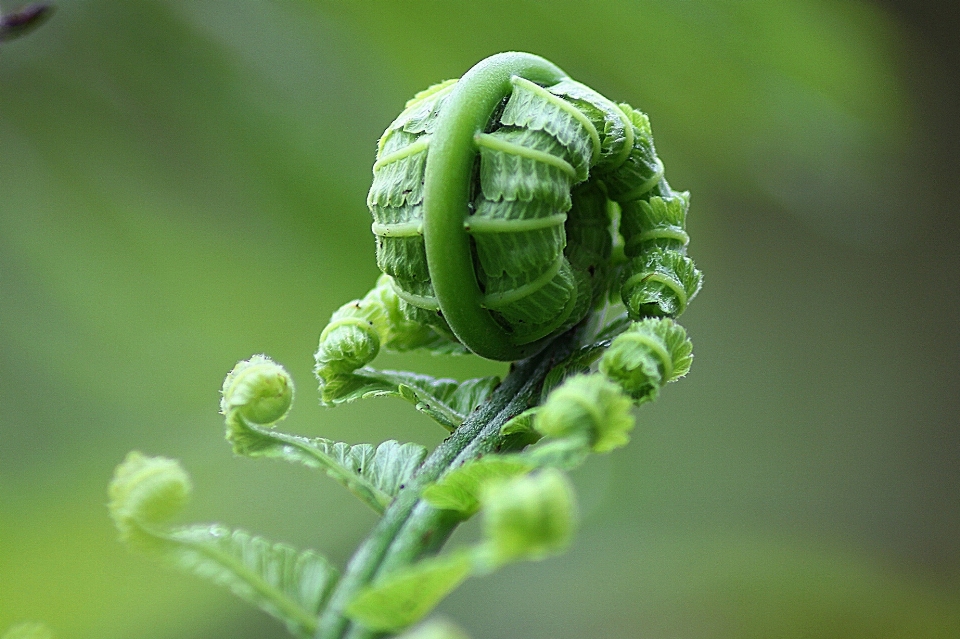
(495, 203)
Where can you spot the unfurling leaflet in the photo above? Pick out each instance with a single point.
(257, 389)
(146, 492)
(528, 517)
(646, 356)
(590, 406)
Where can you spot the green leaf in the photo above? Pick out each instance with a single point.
(533, 107)
(360, 328)
(509, 171)
(657, 223)
(281, 581)
(610, 121)
(566, 453)
(375, 475)
(146, 491)
(459, 490)
(591, 406)
(519, 431)
(660, 283)
(649, 354)
(447, 401)
(399, 333)
(421, 110)
(259, 389)
(528, 517)
(642, 171)
(404, 597)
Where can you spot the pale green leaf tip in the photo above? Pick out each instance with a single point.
(637, 117)
(360, 328)
(34, 630)
(429, 91)
(588, 404)
(259, 390)
(528, 517)
(349, 341)
(146, 491)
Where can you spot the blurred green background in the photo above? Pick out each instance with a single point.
(182, 185)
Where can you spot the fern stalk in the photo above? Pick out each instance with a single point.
(410, 528)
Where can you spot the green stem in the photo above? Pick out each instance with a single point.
(410, 528)
(446, 196)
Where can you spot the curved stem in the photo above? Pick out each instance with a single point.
(410, 528)
(446, 194)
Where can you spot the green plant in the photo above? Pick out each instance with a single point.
(520, 216)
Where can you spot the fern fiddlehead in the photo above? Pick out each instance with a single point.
(510, 208)
(490, 201)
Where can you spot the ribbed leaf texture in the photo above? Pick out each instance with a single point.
(642, 170)
(609, 120)
(649, 354)
(358, 329)
(506, 173)
(659, 222)
(447, 401)
(542, 243)
(660, 283)
(285, 583)
(533, 107)
(396, 196)
(373, 474)
(511, 255)
(420, 113)
(587, 405)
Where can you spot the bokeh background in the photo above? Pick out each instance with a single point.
(182, 185)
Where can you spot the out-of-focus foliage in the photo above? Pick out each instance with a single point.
(182, 185)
